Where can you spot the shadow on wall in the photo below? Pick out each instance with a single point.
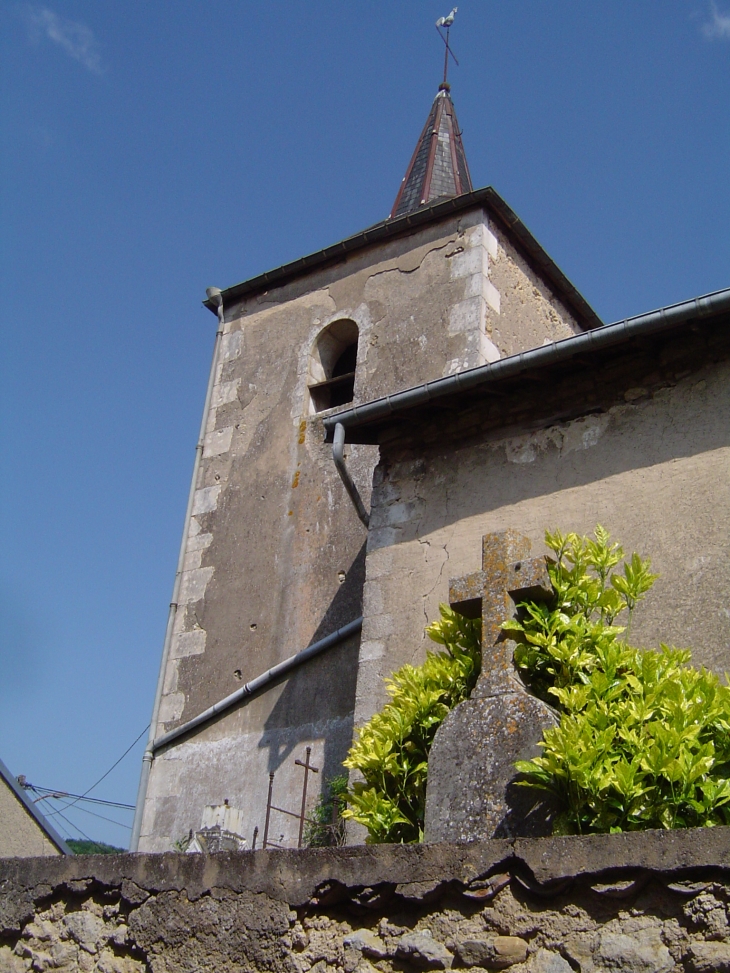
(318, 700)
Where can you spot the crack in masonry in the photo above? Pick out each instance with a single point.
(424, 544)
(438, 580)
(435, 584)
(424, 598)
(399, 270)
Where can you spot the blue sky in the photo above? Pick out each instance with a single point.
(151, 150)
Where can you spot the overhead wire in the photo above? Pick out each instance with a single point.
(65, 833)
(56, 792)
(92, 813)
(116, 763)
(44, 793)
(74, 826)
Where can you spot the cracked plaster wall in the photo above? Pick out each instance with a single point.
(528, 313)
(274, 551)
(653, 468)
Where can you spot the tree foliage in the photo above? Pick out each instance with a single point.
(82, 846)
(391, 750)
(644, 738)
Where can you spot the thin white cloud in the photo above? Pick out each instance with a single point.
(76, 39)
(718, 26)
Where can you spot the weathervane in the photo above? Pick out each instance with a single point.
(446, 22)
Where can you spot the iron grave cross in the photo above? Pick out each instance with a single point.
(471, 791)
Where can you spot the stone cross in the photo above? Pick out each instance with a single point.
(508, 576)
(471, 789)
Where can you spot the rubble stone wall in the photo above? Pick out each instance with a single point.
(649, 902)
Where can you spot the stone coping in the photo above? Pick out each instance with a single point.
(320, 876)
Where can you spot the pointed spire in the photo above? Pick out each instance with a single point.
(438, 167)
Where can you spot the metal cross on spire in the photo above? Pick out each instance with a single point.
(440, 24)
(438, 168)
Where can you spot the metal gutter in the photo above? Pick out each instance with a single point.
(45, 826)
(260, 682)
(215, 295)
(338, 455)
(401, 225)
(590, 341)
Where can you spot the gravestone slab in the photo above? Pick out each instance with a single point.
(472, 791)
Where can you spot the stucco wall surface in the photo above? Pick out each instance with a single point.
(653, 468)
(274, 552)
(19, 834)
(527, 314)
(653, 902)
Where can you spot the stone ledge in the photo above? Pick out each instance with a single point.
(648, 902)
(319, 876)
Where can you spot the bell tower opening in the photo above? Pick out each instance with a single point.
(332, 366)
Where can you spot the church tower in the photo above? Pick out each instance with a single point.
(265, 653)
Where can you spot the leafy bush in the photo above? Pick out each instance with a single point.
(391, 750)
(644, 738)
(325, 826)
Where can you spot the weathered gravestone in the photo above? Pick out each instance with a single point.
(471, 789)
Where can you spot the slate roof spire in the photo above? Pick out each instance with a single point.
(438, 166)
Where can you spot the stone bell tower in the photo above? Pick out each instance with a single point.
(263, 654)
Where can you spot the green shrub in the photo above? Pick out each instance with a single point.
(644, 738)
(325, 826)
(391, 750)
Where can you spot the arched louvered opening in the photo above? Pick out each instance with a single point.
(332, 366)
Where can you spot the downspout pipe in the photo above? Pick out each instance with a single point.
(259, 683)
(216, 297)
(338, 454)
